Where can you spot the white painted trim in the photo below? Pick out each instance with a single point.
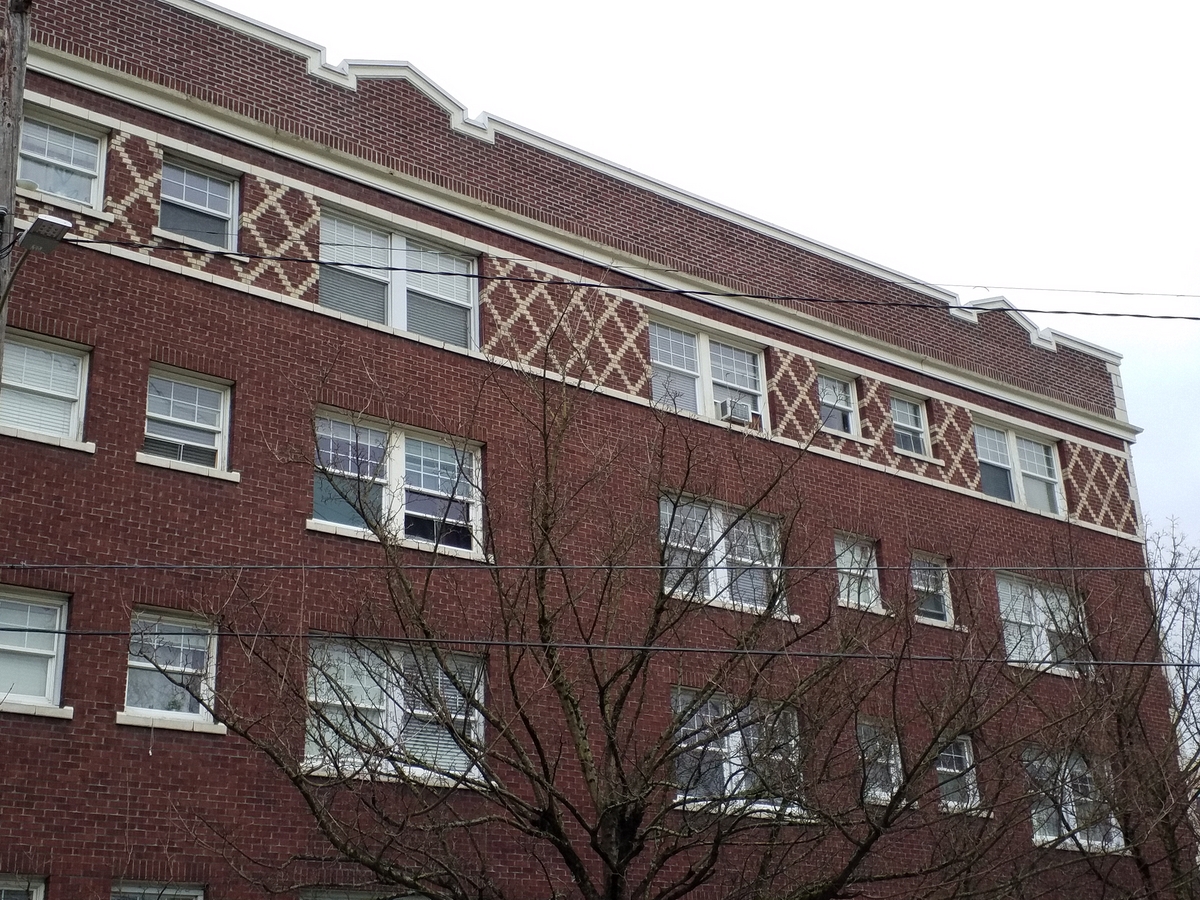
(170, 724)
(191, 468)
(543, 235)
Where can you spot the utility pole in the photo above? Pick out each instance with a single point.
(14, 45)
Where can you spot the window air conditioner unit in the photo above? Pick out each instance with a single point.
(737, 411)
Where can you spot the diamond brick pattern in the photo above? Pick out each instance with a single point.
(952, 433)
(1097, 487)
(277, 221)
(581, 332)
(790, 392)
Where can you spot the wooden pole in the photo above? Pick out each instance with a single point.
(14, 45)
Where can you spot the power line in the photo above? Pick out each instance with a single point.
(378, 639)
(652, 289)
(483, 565)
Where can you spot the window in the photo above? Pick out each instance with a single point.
(931, 589)
(186, 420)
(16, 887)
(749, 753)
(1042, 625)
(698, 374)
(882, 772)
(957, 784)
(718, 553)
(157, 892)
(838, 407)
(380, 709)
(1068, 807)
(908, 426)
(857, 572)
(418, 486)
(31, 647)
(397, 280)
(199, 205)
(172, 666)
(60, 161)
(42, 388)
(1037, 486)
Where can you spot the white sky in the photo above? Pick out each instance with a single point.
(1024, 145)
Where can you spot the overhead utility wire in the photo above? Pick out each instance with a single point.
(631, 648)
(649, 289)
(534, 567)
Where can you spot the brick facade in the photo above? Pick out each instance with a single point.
(566, 255)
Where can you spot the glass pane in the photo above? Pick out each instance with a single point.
(995, 481)
(733, 366)
(345, 501)
(24, 674)
(991, 445)
(674, 389)
(673, 348)
(57, 180)
(1040, 494)
(192, 223)
(150, 689)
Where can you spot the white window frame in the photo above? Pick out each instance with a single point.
(715, 725)
(220, 430)
(833, 399)
(230, 242)
(922, 563)
(398, 275)
(1056, 799)
(34, 887)
(1013, 463)
(879, 747)
(1039, 620)
(920, 434)
(175, 674)
(390, 474)
(73, 434)
(95, 199)
(143, 891)
(391, 708)
(54, 656)
(857, 576)
(725, 541)
(956, 764)
(708, 383)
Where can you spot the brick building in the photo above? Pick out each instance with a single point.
(648, 548)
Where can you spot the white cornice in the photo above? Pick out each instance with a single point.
(179, 106)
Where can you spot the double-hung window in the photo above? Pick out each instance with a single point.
(883, 774)
(693, 372)
(198, 204)
(711, 552)
(31, 646)
(930, 580)
(909, 426)
(17, 887)
(838, 407)
(42, 389)
(379, 709)
(172, 666)
(61, 161)
(749, 753)
(1034, 483)
(187, 420)
(957, 784)
(398, 484)
(1068, 806)
(397, 280)
(1042, 625)
(857, 573)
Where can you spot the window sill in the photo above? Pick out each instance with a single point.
(1073, 844)
(919, 456)
(759, 809)
(761, 430)
(1046, 668)
(366, 534)
(878, 610)
(65, 443)
(1013, 504)
(199, 245)
(64, 203)
(169, 723)
(34, 709)
(191, 468)
(847, 436)
(781, 614)
(937, 623)
(976, 811)
(881, 800)
(319, 769)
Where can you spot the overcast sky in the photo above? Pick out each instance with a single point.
(1031, 149)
